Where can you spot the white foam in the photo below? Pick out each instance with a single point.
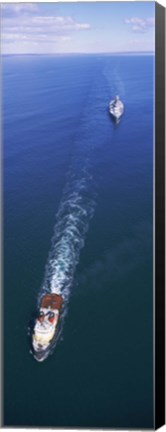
(77, 206)
(72, 221)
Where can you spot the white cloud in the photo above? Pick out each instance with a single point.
(140, 25)
(39, 24)
(23, 23)
(57, 23)
(45, 38)
(15, 9)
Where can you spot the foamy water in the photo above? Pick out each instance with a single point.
(78, 202)
(72, 222)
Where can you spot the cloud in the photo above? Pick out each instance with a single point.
(40, 23)
(44, 38)
(140, 25)
(9, 9)
(25, 23)
(58, 23)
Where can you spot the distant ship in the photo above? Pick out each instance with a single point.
(45, 329)
(116, 108)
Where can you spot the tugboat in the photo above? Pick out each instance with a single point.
(45, 329)
(116, 108)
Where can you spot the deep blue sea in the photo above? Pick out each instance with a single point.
(78, 214)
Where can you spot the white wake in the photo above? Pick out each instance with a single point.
(72, 222)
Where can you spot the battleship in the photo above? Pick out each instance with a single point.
(116, 108)
(46, 324)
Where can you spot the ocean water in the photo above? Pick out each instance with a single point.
(78, 218)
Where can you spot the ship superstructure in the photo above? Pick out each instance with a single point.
(116, 108)
(46, 325)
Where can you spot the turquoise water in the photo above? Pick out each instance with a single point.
(78, 199)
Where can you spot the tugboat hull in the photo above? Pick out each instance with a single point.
(46, 328)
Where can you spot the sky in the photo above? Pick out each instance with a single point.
(81, 27)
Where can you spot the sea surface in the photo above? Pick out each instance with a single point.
(78, 217)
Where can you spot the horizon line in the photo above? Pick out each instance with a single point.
(84, 53)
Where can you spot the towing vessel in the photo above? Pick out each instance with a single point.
(45, 329)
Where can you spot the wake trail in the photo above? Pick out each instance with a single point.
(77, 206)
(72, 221)
(115, 84)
